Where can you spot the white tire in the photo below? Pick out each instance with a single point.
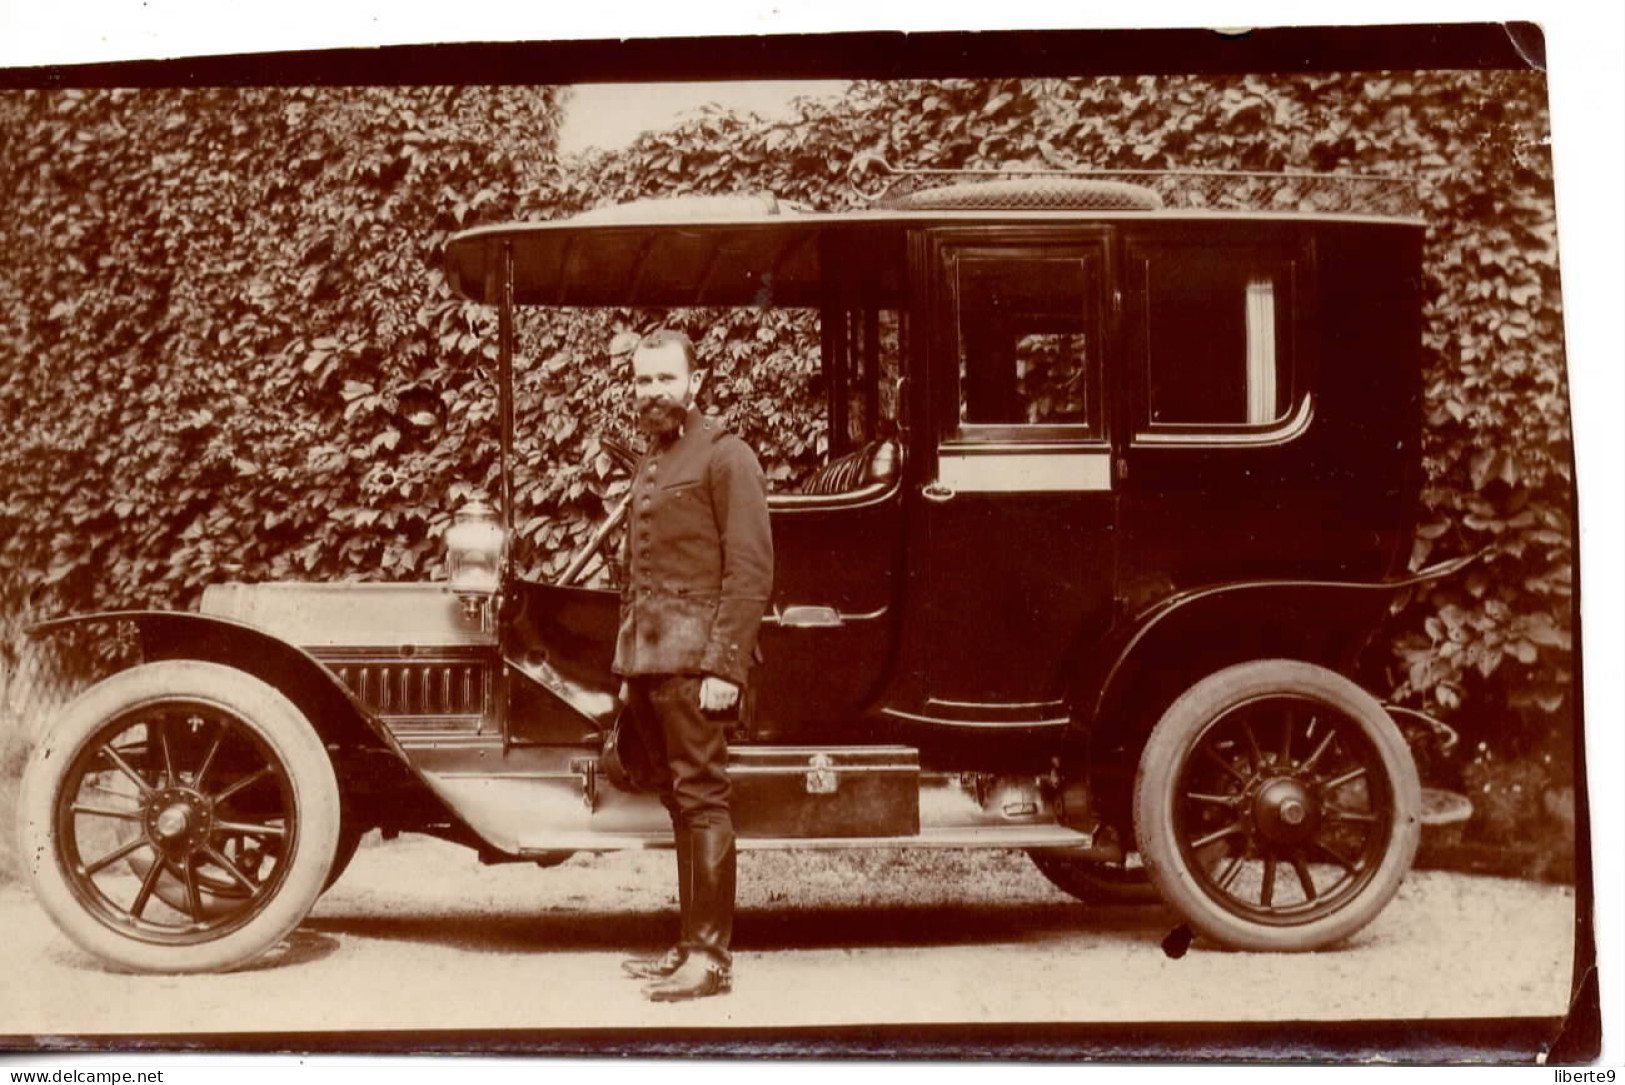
(180, 816)
(1277, 806)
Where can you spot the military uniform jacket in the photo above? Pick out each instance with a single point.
(700, 554)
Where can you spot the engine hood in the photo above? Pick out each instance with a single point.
(349, 615)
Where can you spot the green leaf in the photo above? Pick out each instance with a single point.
(997, 102)
(1485, 465)
(1542, 630)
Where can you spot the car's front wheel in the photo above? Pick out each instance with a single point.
(1277, 806)
(181, 816)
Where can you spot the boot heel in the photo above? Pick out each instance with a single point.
(655, 968)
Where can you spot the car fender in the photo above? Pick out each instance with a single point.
(338, 716)
(1324, 622)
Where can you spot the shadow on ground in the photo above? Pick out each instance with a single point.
(763, 931)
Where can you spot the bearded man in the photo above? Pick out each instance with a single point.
(700, 555)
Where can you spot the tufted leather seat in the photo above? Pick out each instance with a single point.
(876, 461)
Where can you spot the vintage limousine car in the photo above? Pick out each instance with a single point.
(1122, 474)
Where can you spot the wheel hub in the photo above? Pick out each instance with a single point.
(1286, 812)
(174, 820)
(177, 819)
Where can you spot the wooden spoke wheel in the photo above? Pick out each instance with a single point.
(1277, 806)
(181, 816)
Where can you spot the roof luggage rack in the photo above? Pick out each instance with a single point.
(887, 186)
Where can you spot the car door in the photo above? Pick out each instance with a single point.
(1012, 541)
(1221, 460)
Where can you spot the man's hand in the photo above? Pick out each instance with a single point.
(717, 694)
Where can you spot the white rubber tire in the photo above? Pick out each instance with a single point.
(282, 729)
(1175, 739)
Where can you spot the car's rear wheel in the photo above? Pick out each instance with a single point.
(180, 817)
(1277, 806)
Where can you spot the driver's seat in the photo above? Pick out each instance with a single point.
(877, 461)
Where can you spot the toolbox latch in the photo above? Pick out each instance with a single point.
(821, 778)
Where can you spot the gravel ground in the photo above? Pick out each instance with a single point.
(418, 935)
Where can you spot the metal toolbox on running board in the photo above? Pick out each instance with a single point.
(823, 791)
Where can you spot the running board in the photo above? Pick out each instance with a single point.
(1027, 836)
(531, 801)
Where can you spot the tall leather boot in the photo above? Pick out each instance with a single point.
(653, 968)
(708, 921)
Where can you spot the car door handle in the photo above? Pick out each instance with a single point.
(811, 618)
(938, 492)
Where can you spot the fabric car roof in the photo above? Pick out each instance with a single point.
(657, 255)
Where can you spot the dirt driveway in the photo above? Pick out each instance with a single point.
(417, 935)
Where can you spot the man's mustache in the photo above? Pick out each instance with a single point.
(660, 415)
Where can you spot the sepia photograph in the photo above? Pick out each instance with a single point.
(1055, 546)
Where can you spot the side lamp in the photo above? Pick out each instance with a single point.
(475, 547)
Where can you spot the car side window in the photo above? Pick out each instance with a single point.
(1216, 339)
(1028, 342)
